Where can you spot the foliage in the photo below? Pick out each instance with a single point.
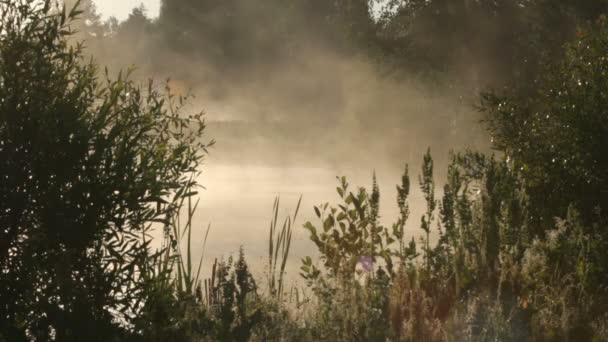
(484, 279)
(350, 310)
(427, 185)
(351, 234)
(262, 30)
(556, 136)
(357, 255)
(565, 278)
(88, 168)
(483, 42)
(412, 311)
(226, 306)
(513, 248)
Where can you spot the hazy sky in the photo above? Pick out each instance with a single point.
(121, 8)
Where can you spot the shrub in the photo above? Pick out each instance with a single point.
(88, 167)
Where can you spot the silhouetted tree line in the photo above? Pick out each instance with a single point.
(483, 42)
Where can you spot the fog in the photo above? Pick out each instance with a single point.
(290, 117)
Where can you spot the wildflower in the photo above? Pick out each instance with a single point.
(366, 262)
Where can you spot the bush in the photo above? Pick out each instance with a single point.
(88, 167)
(556, 136)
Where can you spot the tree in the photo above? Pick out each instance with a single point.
(88, 23)
(136, 24)
(88, 168)
(234, 34)
(484, 42)
(556, 136)
(226, 33)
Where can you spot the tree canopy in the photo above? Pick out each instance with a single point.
(557, 135)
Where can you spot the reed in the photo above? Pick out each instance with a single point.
(178, 244)
(279, 243)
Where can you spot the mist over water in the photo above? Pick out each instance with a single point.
(238, 200)
(258, 157)
(288, 122)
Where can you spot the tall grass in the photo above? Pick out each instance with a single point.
(177, 252)
(279, 243)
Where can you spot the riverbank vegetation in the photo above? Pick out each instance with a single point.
(511, 247)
